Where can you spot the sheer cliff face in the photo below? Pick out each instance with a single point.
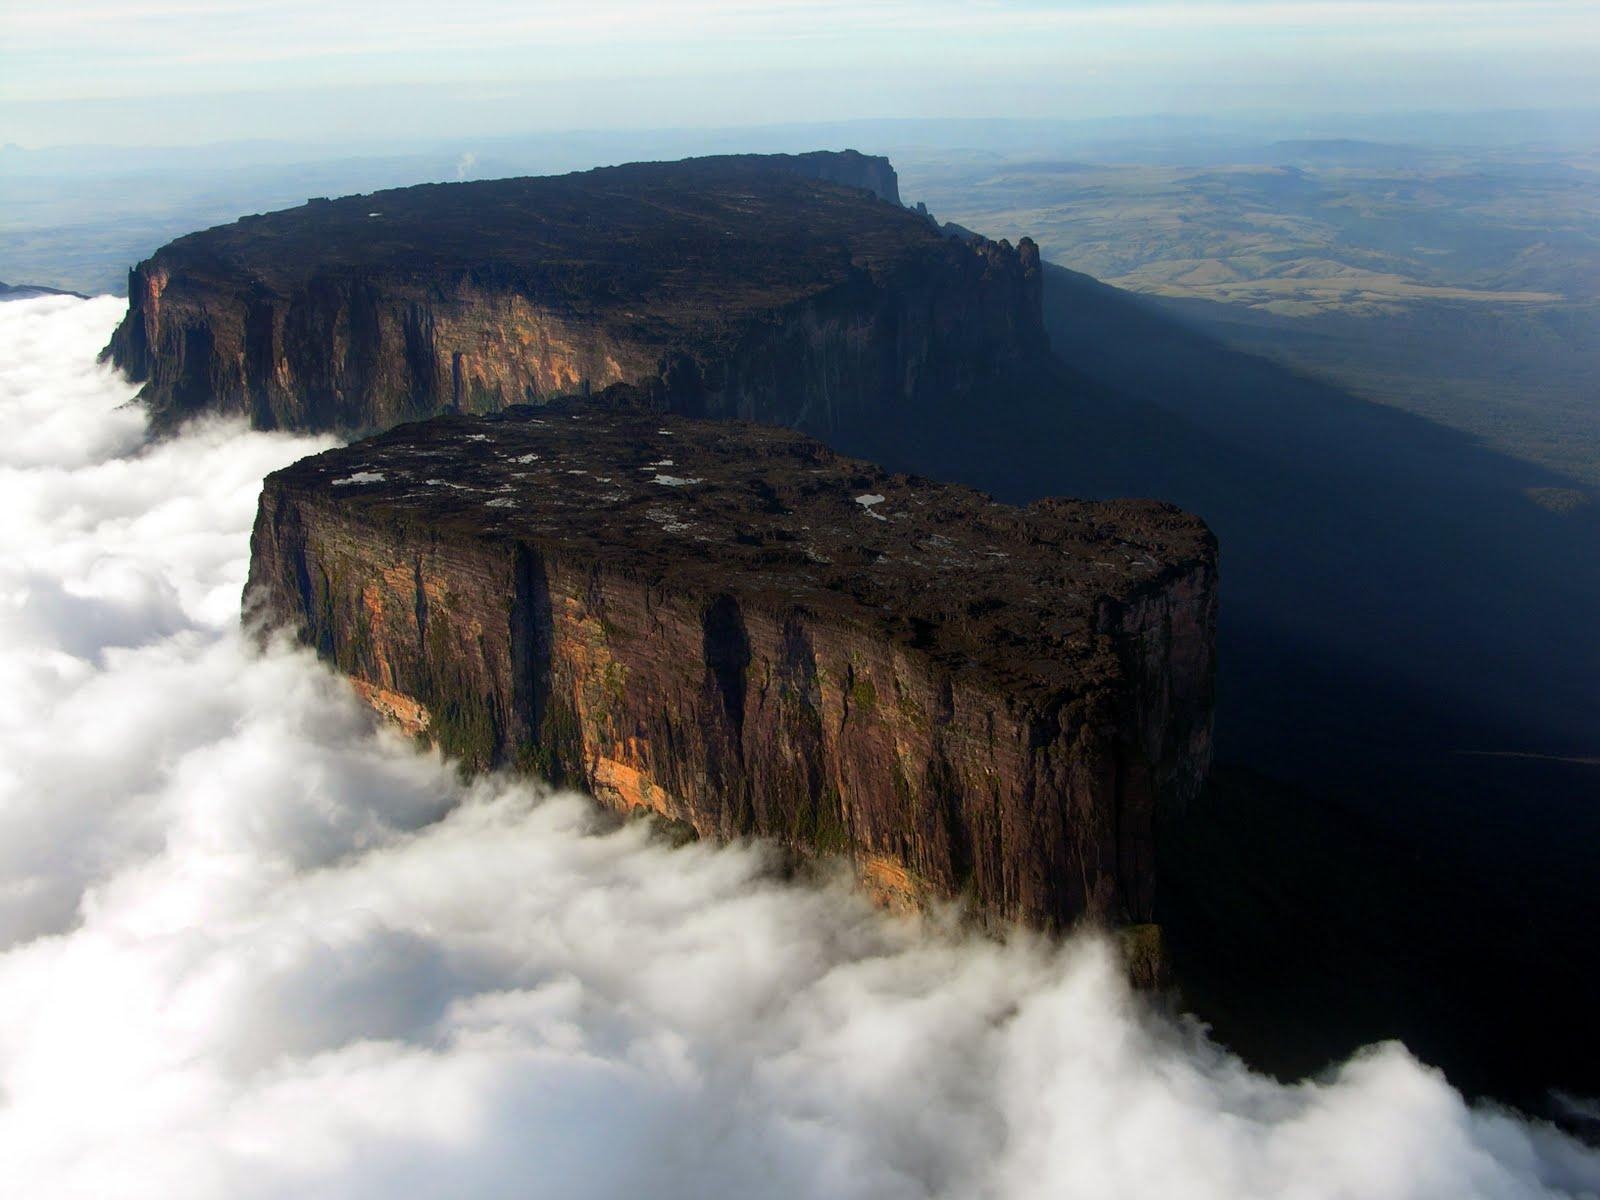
(739, 630)
(787, 287)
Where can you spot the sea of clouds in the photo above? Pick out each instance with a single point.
(254, 945)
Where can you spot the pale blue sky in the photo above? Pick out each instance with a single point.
(178, 71)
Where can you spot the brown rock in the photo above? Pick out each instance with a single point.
(743, 631)
(788, 289)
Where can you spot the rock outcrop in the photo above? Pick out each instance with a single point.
(850, 168)
(787, 289)
(740, 630)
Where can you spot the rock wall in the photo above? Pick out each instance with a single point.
(784, 287)
(872, 352)
(739, 710)
(353, 354)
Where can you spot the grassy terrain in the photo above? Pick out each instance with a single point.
(1523, 379)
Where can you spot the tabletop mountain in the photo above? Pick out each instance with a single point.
(789, 289)
(745, 632)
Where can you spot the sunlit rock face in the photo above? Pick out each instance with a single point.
(746, 633)
(789, 289)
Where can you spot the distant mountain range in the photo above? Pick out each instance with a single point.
(26, 291)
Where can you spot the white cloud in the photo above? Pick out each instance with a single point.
(252, 946)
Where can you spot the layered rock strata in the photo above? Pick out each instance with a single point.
(789, 289)
(742, 631)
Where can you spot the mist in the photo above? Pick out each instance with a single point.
(254, 944)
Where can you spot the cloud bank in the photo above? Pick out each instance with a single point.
(252, 945)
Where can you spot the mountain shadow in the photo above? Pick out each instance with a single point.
(1406, 647)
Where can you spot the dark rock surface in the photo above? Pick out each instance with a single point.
(741, 630)
(789, 289)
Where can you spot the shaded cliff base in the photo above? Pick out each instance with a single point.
(1301, 929)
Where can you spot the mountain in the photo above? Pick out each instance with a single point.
(788, 289)
(1406, 684)
(737, 629)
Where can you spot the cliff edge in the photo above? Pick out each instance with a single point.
(745, 632)
(789, 289)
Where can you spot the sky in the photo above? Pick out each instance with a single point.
(255, 945)
(186, 71)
